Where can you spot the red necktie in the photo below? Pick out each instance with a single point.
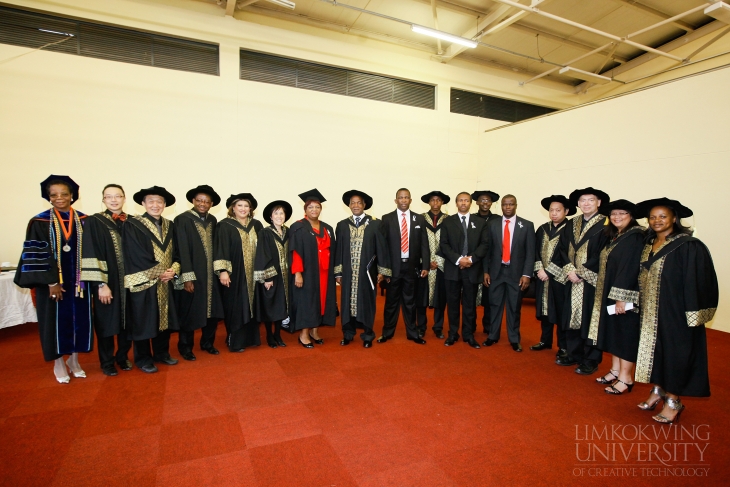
(506, 243)
(403, 235)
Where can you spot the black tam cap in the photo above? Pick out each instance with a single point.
(242, 196)
(61, 179)
(575, 195)
(154, 190)
(366, 198)
(558, 198)
(624, 205)
(312, 194)
(492, 195)
(205, 189)
(643, 208)
(427, 197)
(269, 209)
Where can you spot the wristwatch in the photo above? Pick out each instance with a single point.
(101, 285)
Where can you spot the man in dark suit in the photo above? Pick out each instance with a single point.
(463, 245)
(507, 270)
(484, 199)
(406, 240)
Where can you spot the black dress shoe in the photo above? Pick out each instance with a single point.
(305, 345)
(419, 340)
(111, 371)
(279, 341)
(539, 346)
(473, 343)
(148, 369)
(167, 360)
(566, 361)
(383, 339)
(345, 341)
(516, 347)
(561, 353)
(212, 350)
(584, 369)
(270, 342)
(438, 333)
(318, 341)
(188, 356)
(237, 350)
(126, 365)
(367, 343)
(489, 342)
(449, 341)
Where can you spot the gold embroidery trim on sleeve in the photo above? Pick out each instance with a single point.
(696, 318)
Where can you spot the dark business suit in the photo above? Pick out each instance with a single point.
(505, 278)
(461, 284)
(401, 292)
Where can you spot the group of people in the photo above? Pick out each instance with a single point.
(605, 282)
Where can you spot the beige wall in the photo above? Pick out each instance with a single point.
(669, 141)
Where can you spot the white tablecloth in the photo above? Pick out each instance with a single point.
(16, 306)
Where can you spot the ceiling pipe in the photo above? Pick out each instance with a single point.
(550, 71)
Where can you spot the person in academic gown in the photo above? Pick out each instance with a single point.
(484, 199)
(271, 272)
(361, 262)
(580, 247)
(618, 285)
(464, 246)
(550, 282)
(233, 260)
(679, 294)
(151, 262)
(199, 304)
(431, 292)
(50, 265)
(312, 248)
(103, 269)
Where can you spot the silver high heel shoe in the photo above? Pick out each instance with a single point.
(59, 369)
(650, 407)
(78, 372)
(674, 404)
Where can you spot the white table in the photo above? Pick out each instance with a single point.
(16, 305)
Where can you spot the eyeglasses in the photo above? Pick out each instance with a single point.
(114, 197)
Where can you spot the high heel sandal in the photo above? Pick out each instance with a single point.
(660, 396)
(305, 345)
(318, 341)
(615, 392)
(603, 380)
(79, 373)
(674, 404)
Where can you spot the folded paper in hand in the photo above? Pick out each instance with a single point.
(612, 308)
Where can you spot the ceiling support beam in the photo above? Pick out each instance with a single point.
(561, 40)
(556, 68)
(436, 26)
(455, 49)
(668, 21)
(588, 29)
(644, 8)
(230, 7)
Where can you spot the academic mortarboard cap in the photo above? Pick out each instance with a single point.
(205, 189)
(312, 194)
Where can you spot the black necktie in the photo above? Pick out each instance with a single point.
(465, 249)
(357, 221)
(158, 224)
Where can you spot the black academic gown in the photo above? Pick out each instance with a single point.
(235, 252)
(550, 295)
(147, 255)
(679, 294)
(272, 264)
(580, 248)
(104, 262)
(306, 307)
(65, 326)
(431, 291)
(483, 292)
(361, 254)
(618, 280)
(195, 245)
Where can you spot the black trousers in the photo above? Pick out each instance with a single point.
(438, 318)
(187, 338)
(461, 296)
(159, 349)
(401, 294)
(246, 336)
(350, 328)
(579, 350)
(486, 321)
(503, 295)
(547, 334)
(106, 349)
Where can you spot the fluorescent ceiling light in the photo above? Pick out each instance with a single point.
(719, 11)
(283, 3)
(585, 75)
(442, 35)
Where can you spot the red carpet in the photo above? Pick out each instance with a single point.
(398, 414)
